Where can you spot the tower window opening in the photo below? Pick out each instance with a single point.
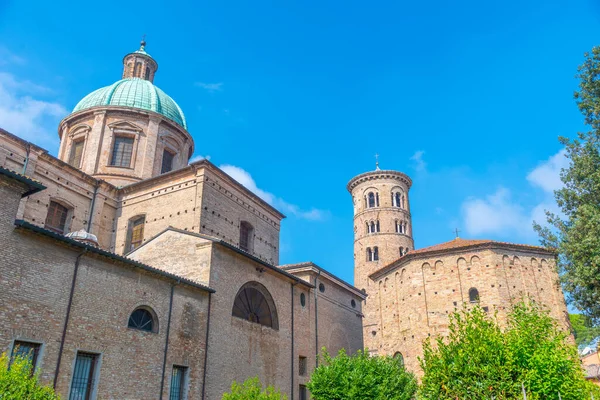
(371, 197)
(246, 231)
(397, 224)
(137, 70)
(401, 251)
(397, 199)
(473, 295)
(369, 254)
(377, 226)
(375, 253)
(377, 199)
(147, 74)
(135, 234)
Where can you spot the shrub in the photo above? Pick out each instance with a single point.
(252, 389)
(17, 382)
(361, 377)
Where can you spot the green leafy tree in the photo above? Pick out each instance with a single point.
(479, 359)
(252, 389)
(361, 377)
(17, 382)
(576, 233)
(583, 330)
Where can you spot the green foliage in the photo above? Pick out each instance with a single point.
(252, 389)
(576, 233)
(361, 377)
(479, 360)
(17, 382)
(583, 330)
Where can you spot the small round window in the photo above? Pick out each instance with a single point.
(321, 288)
(302, 299)
(353, 303)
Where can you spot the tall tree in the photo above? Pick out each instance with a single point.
(575, 234)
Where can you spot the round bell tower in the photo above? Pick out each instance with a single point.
(382, 222)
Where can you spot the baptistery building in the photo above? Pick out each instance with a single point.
(127, 272)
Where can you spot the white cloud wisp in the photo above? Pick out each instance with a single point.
(244, 178)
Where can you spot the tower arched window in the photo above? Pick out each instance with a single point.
(473, 295)
(372, 227)
(143, 318)
(397, 224)
(377, 226)
(377, 199)
(246, 234)
(254, 303)
(398, 199)
(369, 254)
(401, 251)
(371, 199)
(135, 233)
(137, 70)
(147, 75)
(375, 253)
(399, 358)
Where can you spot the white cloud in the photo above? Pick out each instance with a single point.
(210, 87)
(28, 117)
(199, 158)
(244, 178)
(495, 214)
(547, 175)
(418, 163)
(499, 214)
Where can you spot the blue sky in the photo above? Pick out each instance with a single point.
(295, 98)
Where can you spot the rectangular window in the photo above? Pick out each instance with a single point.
(83, 383)
(56, 220)
(122, 150)
(76, 153)
(136, 233)
(28, 350)
(303, 395)
(302, 366)
(177, 383)
(167, 161)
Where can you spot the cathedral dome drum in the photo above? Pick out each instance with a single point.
(136, 93)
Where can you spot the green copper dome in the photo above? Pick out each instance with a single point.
(136, 93)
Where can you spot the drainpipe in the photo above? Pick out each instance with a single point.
(93, 203)
(206, 348)
(66, 324)
(162, 380)
(293, 358)
(27, 150)
(317, 320)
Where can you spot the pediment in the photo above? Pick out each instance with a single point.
(124, 126)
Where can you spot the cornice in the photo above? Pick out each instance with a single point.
(382, 174)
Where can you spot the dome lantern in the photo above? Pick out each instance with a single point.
(139, 64)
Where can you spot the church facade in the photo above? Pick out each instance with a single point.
(128, 273)
(410, 293)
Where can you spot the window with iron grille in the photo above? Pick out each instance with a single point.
(28, 350)
(56, 220)
(302, 366)
(76, 153)
(167, 161)
(177, 383)
(83, 384)
(303, 394)
(136, 233)
(122, 150)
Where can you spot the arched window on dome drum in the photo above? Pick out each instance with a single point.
(254, 303)
(135, 233)
(167, 161)
(147, 75)
(371, 197)
(375, 253)
(473, 295)
(143, 319)
(369, 254)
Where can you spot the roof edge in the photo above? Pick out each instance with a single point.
(33, 185)
(323, 271)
